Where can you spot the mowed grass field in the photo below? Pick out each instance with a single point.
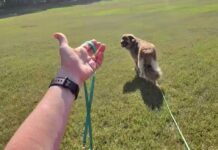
(127, 113)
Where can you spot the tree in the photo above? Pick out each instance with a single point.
(14, 3)
(51, 1)
(2, 2)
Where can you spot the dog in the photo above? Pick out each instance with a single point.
(144, 56)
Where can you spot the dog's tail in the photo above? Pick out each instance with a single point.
(152, 70)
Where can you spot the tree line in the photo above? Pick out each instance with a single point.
(15, 3)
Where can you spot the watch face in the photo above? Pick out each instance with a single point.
(59, 80)
(67, 82)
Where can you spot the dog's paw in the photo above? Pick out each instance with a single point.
(141, 75)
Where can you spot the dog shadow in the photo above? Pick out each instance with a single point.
(151, 94)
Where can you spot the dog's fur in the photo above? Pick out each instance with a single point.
(144, 56)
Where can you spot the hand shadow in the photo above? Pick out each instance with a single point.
(151, 94)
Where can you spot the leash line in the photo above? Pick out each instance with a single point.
(177, 126)
(87, 120)
(89, 98)
(88, 124)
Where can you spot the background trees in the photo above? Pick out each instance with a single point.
(16, 3)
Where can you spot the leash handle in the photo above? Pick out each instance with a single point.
(92, 46)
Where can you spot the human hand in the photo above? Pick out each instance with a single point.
(78, 64)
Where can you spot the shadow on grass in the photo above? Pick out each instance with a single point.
(151, 94)
(10, 12)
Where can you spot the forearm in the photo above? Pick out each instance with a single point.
(44, 127)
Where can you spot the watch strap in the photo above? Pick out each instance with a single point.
(66, 83)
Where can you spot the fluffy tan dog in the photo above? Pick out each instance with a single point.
(144, 56)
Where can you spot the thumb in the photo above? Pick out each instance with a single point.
(61, 38)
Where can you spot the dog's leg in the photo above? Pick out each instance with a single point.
(156, 84)
(156, 67)
(141, 68)
(137, 71)
(157, 71)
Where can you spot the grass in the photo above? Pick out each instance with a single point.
(186, 34)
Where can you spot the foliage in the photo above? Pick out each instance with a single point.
(15, 3)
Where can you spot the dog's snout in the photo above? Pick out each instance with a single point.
(123, 43)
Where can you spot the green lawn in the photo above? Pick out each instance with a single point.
(186, 34)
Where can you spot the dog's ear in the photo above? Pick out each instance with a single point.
(132, 38)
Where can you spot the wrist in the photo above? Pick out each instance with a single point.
(73, 77)
(66, 83)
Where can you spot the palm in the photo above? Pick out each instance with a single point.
(79, 62)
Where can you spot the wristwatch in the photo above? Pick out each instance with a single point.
(66, 83)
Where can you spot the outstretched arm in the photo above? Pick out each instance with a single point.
(44, 127)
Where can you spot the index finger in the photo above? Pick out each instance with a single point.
(100, 55)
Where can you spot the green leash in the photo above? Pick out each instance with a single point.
(177, 126)
(89, 98)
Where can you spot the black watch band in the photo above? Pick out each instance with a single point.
(66, 83)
